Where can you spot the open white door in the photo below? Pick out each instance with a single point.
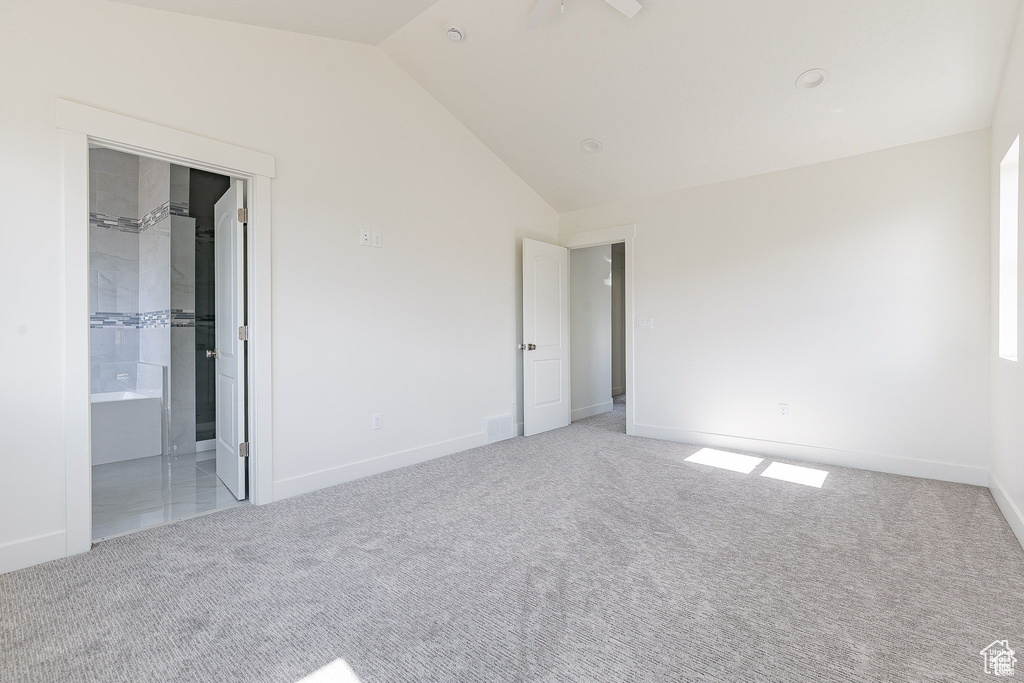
(229, 251)
(545, 337)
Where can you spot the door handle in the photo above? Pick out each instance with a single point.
(527, 347)
(211, 353)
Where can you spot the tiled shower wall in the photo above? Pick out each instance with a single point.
(154, 261)
(114, 269)
(183, 315)
(142, 270)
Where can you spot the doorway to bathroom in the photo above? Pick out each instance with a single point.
(167, 341)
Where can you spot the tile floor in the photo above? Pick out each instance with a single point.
(134, 494)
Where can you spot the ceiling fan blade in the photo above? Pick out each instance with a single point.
(627, 7)
(540, 12)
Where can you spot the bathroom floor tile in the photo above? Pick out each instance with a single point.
(143, 492)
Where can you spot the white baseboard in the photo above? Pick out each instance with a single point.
(963, 474)
(30, 551)
(305, 483)
(207, 445)
(590, 411)
(618, 391)
(1013, 515)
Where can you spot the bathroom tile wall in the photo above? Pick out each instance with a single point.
(154, 190)
(179, 189)
(113, 183)
(113, 269)
(183, 332)
(143, 247)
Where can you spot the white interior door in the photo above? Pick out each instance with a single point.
(545, 336)
(229, 252)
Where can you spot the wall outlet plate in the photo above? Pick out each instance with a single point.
(378, 239)
(364, 237)
(378, 421)
(645, 323)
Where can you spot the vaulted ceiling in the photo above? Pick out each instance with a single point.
(686, 93)
(360, 21)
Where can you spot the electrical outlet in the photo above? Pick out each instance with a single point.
(378, 239)
(645, 323)
(364, 237)
(784, 409)
(378, 421)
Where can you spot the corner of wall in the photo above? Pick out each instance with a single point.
(30, 551)
(554, 213)
(1014, 516)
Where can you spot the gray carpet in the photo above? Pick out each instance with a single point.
(578, 555)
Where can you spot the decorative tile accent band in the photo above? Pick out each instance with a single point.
(155, 319)
(102, 319)
(182, 318)
(155, 216)
(123, 224)
(175, 317)
(204, 234)
(100, 220)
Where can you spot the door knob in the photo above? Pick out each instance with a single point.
(527, 347)
(211, 353)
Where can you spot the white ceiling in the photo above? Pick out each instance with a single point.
(689, 92)
(361, 21)
(697, 91)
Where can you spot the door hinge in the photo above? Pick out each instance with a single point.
(243, 215)
(243, 333)
(243, 450)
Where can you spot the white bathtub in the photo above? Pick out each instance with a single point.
(118, 396)
(126, 425)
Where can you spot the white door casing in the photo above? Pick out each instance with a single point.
(81, 126)
(546, 402)
(229, 308)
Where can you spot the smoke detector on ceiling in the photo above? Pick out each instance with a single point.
(455, 33)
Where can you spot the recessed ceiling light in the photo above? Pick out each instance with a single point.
(454, 33)
(591, 145)
(811, 79)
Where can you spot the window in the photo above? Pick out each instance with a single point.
(1009, 181)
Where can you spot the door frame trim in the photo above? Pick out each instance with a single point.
(595, 238)
(79, 125)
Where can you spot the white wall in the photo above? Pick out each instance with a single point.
(618, 319)
(590, 330)
(855, 291)
(423, 330)
(1007, 477)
